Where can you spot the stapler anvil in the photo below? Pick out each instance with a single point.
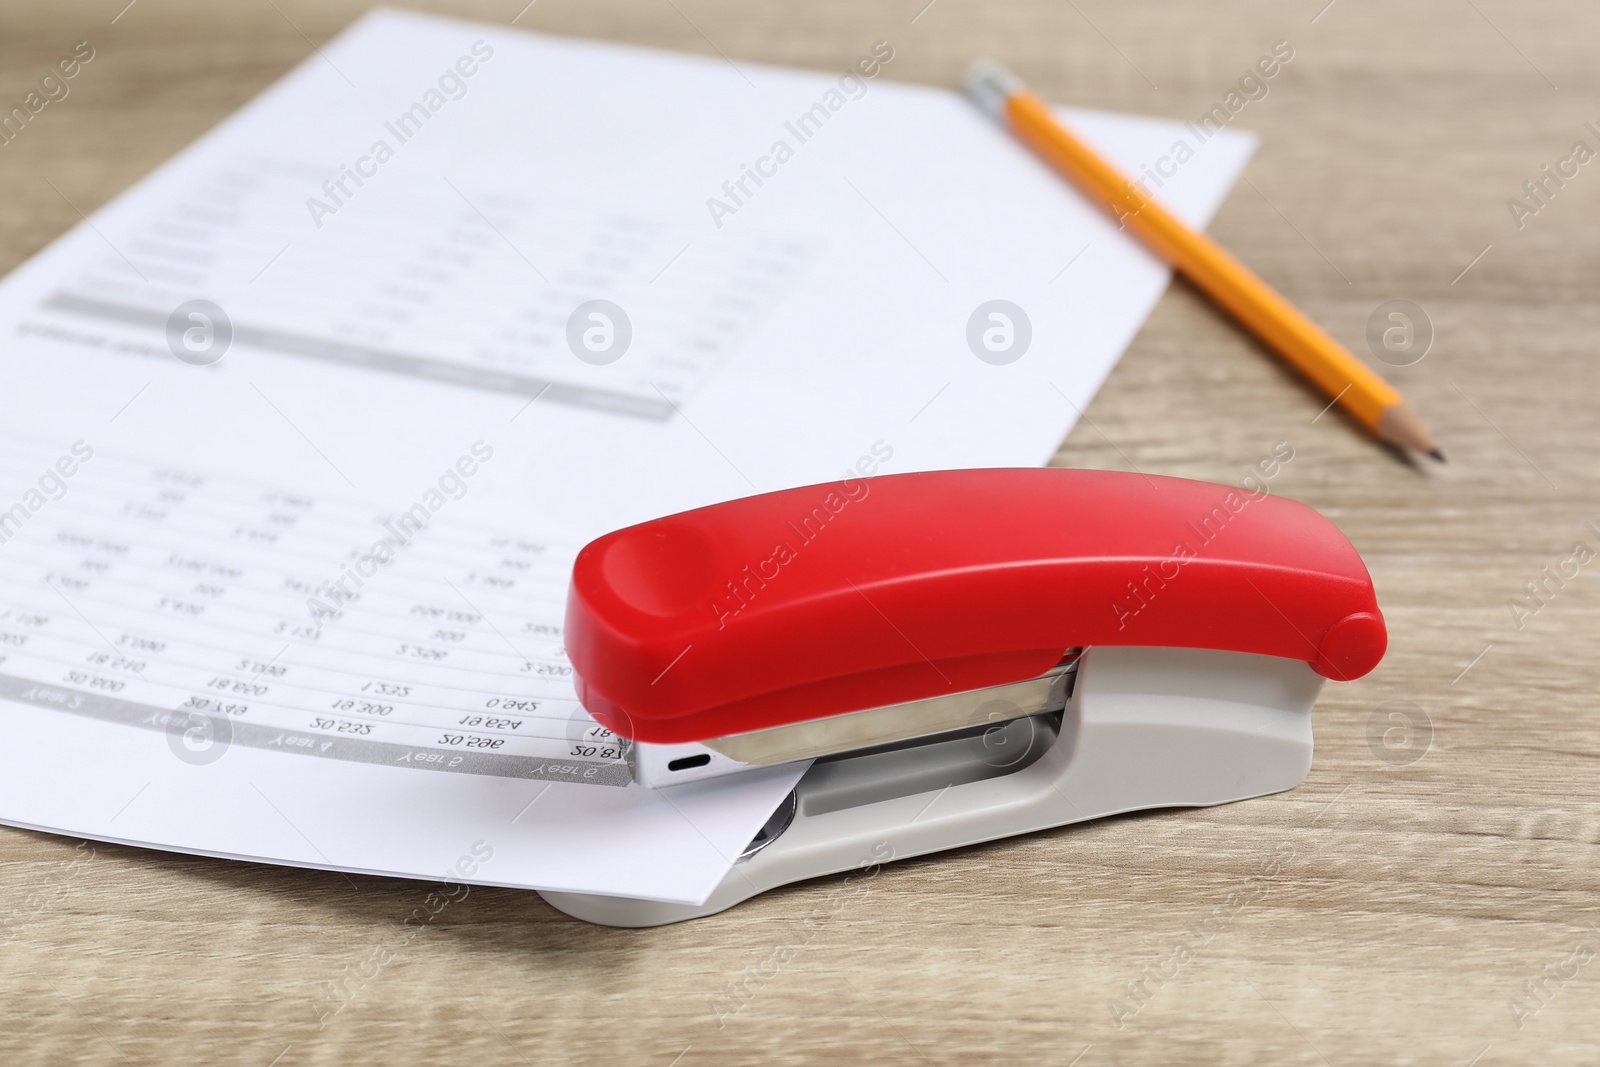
(965, 655)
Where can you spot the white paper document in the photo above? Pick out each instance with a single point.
(300, 435)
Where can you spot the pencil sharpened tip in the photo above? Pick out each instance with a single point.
(1399, 425)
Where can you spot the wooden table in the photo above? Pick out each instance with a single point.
(1427, 896)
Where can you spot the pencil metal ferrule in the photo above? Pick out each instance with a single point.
(990, 85)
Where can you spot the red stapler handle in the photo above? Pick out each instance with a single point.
(860, 593)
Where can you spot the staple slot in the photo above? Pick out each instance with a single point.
(892, 771)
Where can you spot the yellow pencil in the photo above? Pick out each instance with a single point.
(1372, 401)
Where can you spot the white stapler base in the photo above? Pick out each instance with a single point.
(1144, 728)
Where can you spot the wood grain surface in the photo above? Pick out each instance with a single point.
(1430, 895)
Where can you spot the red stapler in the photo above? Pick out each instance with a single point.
(965, 655)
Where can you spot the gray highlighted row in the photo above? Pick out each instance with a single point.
(198, 739)
(320, 348)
